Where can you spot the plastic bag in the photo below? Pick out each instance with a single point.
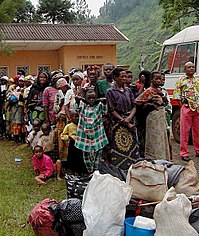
(104, 204)
(105, 168)
(194, 219)
(42, 219)
(76, 186)
(69, 217)
(172, 215)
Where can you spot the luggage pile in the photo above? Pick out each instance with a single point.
(155, 198)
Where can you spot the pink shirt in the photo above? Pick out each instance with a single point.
(44, 166)
(48, 101)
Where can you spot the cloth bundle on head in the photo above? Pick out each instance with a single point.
(16, 78)
(4, 78)
(72, 71)
(80, 74)
(21, 78)
(57, 74)
(29, 78)
(61, 83)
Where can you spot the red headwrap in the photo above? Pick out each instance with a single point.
(16, 79)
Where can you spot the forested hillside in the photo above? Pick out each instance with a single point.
(141, 22)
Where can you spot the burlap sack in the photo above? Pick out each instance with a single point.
(148, 180)
(188, 181)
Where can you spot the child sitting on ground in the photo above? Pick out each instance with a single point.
(75, 161)
(35, 134)
(44, 166)
(46, 140)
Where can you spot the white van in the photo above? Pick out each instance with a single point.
(176, 51)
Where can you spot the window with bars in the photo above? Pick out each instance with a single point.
(3, 70)
(24, 68)
(41, 68)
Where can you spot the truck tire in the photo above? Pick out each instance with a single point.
(176, 125)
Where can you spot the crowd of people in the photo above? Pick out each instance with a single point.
(73, 121)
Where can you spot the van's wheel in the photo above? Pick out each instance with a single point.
(176, 125)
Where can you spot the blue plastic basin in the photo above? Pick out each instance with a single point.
(131, 230)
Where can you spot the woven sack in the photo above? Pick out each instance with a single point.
(188, 180)
(148, 180)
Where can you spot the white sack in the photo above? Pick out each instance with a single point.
(172, 215)
(104, 205)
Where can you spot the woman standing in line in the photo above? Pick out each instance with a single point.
(122, 108)
(34, 101)
(156, 140)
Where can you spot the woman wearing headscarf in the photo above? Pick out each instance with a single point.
(49, 97)
(63, 87)
(34, 101)
(16, 103)
(69, 100)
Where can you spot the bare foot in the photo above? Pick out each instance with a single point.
(42, 183)
(58, 178)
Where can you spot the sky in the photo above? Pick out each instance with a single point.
(93, 5)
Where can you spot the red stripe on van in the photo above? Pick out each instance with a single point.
(170, 91)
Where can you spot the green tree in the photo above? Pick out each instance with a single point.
(25, 14)
(82, 12)
(179, 13)
(56, 11)
(8, 9)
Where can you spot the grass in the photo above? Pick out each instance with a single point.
(19, 191)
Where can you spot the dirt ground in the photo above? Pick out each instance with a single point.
(176, 155)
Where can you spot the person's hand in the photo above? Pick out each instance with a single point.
(157, 99)
(42, 176)
(103, 100)
(130, 126)
(127, 120)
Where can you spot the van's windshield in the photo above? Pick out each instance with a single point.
(174, 57)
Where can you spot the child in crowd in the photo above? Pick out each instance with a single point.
(59, 110)
(44, 166)
(91, 137)
(69, 135)
(69, 100)
(35, 134)
(46, 140)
